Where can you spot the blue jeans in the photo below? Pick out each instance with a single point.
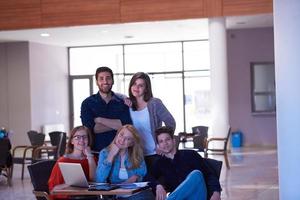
(143, 195)
(192, 188)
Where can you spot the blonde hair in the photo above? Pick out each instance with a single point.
(135, 152)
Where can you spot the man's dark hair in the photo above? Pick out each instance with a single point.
(104, 69)
(164, 129)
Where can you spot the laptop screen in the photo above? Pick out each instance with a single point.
(73, 174)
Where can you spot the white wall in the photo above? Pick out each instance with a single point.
(33, 88)
(3, 86)
(49, 85)
(245, 46)
(16, 89)
(287, 71)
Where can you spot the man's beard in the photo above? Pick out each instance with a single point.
(105, 91)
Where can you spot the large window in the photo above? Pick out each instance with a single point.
(161, 57)
(81, 88)
(196, 55)
(197, 98)
(84, 60)
(196, 83)
(179, 71)
(263, 88)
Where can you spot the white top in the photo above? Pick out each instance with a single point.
(123, 174)
(141, 122)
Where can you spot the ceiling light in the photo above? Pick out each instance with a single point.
(128, 36)
(45, 34)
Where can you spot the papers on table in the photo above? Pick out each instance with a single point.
(132, 185)
(107, 186)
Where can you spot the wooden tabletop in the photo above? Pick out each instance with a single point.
(64, 189)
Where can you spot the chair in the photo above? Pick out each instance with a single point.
(200, 130)
(59, 139)
(39, 175)
(218, 151)
(36, 139)
(200, 135)
(58, 145)
(215, 166)
(5, 159)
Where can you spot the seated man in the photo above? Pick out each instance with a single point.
(184, 173)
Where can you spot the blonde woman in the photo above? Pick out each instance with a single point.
(123, 162)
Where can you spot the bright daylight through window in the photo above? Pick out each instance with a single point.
(179, 71)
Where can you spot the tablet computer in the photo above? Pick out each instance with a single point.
(103, 187)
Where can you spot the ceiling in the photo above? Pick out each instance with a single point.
(177, 30)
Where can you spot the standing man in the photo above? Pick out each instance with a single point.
(184, 173)
(105, 112)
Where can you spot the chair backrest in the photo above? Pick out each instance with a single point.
(5, 147)
(227, 138)
(35, 138)
(39, 174)
(199, 138)
(199, 142)
(200, 130)
(215, 165)
(59, 139)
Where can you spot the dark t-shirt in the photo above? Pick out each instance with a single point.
(174, 171)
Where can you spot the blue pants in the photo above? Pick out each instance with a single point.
(192, 188)
(143, 195)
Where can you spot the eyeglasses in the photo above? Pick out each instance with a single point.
(78, 137)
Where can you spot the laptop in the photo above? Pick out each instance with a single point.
(73, 174)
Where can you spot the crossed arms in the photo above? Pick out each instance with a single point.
(105, 124)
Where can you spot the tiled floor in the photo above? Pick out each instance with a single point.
(253, 175)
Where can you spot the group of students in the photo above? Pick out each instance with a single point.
(133, 146)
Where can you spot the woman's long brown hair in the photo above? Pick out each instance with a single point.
(148, 90)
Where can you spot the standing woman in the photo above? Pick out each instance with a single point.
(147, 114)
(123, 162)
(77, 151)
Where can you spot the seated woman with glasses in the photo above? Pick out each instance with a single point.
(77, 151)
(123, 162)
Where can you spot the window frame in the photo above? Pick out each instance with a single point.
(271, 94)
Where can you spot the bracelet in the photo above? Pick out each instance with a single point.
(89, 155)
